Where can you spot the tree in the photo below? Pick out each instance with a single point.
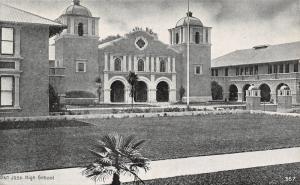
(116, 155)
(216, 91)
(181, 93)
(54, 104)
(132, 79)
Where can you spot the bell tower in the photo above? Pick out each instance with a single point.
(76, 48)
(191, 30)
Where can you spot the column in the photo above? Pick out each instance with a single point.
(173, 36)
(111, 63)
(89, 26)
(157, 64)
(124, 63)
(152, 89)
(105, 61)
(135, 63)
(147, 64)
(106, 89)
(240, 96)
(170, 35)
(169, 65)
(129, 63)
(152, 64)
(17, 91)
(72, 26)
(204, 35)
(173, 89)
(96, 27)
(173, 65)
(17, 41)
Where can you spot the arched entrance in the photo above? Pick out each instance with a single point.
(117, 92)
(141, 92)
(162, 92)
(245, 88)
(233, 93)
(265, 92)
(278, 87)
(216, 91)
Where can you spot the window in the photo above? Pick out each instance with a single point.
(275, 69)
(141, 66)
(287, 68)
(296, 67)
(141, 43)
(117, 64)
(216, 72)
(6, 91)
(281, 68)
(246, 70)
(237, 71)
(80, 29)
(81, 66)
(256, 69)
(226, 71)
(251, 70)
(198, 70)
(242, 71)
(206, 35)
(212, 72)
(197, 38)
(177, 38)
(162, 66)
(7, 41)
(270, 69)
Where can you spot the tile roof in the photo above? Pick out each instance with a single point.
(268, 54)
(9, 14)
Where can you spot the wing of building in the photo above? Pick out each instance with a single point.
(80, 61)
(266, 66)
(24, 66)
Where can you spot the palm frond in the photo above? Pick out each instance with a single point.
(139, 144)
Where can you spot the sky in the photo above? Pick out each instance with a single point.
(236, 24)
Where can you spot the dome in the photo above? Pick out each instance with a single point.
(77, 9)
(193, 20)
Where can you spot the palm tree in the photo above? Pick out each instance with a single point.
(115, 155)
(132, 79)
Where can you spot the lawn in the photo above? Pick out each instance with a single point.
(168, 137)
(286, 174)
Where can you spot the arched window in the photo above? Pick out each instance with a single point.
(197, 38)
(80, 29)
(162, 66)
(177, 38)
(141, 65)
(117, 64)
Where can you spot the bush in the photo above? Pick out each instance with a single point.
(80, 94)
(54, 105)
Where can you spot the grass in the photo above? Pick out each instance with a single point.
(168, 137)
(286, 174)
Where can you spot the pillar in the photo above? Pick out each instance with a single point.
(169, 65)
(111, 63)
(157, 64)
(129, 63)
(17, 91)
(72, 25)
(147, 64)
(124, 64)
(135, 63)
(152, 63)
(105, 62)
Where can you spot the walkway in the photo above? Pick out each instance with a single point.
(166, 168)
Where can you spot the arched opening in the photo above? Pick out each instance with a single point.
(177, 38)
(141, 92)
(216, 91)
(117, 64)
(117, 92)
(265, 92)
(141, 65)
(197, 38)
(278, 87)
(245, 88)
(233, 93)
(162, 92)
(80, 29)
